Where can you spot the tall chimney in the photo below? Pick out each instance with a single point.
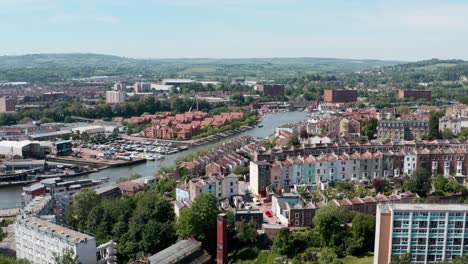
(222, 246)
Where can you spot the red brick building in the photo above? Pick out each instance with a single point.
(415, 94)
(340, 96)
(271, 89)
(186, 125)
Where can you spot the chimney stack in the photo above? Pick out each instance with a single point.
(222, 246)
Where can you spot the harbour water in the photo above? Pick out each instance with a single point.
(10, 197)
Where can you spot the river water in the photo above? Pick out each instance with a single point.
(11, 197)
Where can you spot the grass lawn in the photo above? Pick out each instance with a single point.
(262, 258)
(356, 260)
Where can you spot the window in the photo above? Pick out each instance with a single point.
(296, 222)
(296, 215)
(233, 183)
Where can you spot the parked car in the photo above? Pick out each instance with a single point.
(247, 206)
(269, 214)
(257, 202)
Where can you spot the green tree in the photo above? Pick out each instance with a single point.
(132, 177)
(45, 120)
(281, 243)
(434, 117)
(151, 227)
(420, 183)
(85, 137)
(83, 202)
(294, 140)
(331, 223)
(369, 127)
(439, 182)
(67, 257)
(453, 186)
(401, 259)
(246, 232)
(456, 260)
(329, 256)
(447, 133)
(464, 134)
(184, 173)
(10, 260)
(363, 226)
(199, 220)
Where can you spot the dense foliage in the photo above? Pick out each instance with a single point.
(332, 234)
(56, 67)
(65, 111)
(199, 221)
(143, 224)
(10, 260)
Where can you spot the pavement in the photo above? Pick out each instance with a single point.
(9, 212)
(8, 244)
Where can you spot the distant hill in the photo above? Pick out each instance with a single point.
(426, 71)
(52, 67)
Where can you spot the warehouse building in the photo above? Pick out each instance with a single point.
(21, 149)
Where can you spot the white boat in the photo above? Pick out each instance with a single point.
(160, 157)
(150, 157)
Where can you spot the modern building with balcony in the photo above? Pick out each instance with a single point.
(429, 232)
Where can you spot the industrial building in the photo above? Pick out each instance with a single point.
(270, 89)
(415, 94)
(21, 149)
(184, 251)
(340, 96)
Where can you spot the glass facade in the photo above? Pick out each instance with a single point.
(430, 236)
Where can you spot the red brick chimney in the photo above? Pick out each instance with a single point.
(222, 246)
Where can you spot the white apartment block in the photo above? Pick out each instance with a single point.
(141, 87)
(38, 240)
(115, 97)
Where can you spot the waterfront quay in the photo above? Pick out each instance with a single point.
(11, 196)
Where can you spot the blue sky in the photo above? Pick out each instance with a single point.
(366, 29)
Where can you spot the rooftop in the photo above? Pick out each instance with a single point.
(428, 207)
(55, 230)
(176, 252)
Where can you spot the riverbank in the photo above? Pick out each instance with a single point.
(11, 196)
(97, 163)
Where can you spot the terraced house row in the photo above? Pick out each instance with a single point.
(345, 163)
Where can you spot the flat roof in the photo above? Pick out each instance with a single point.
(104, 189)
(428, 207)
(16, 144)
(50, 134)
(55, 230)
(176, 252)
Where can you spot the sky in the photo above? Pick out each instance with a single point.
(407, 30)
